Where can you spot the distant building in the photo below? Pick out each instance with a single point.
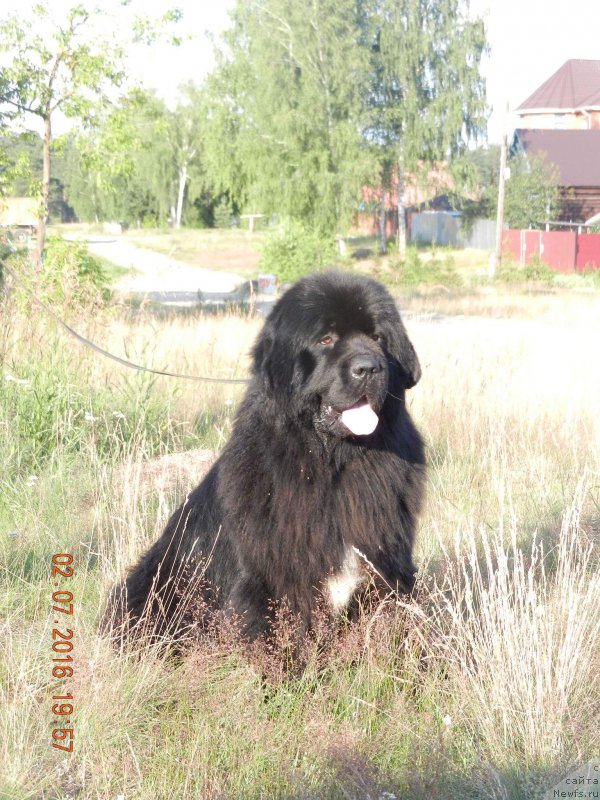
(568, 100)
(576, 155)
(418, 190)
(560, 123)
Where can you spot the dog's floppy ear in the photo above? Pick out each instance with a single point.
(409, 361)
(273, 359)
(406, 356)
(261, 355)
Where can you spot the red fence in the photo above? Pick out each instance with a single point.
(588, 251)
(563, 251)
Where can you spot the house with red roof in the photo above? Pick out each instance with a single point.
(568, 100)
(560, 122)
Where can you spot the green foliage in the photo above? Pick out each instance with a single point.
(531, 192)
(428, 95)
(139, 162)
(21, 171)
(413, 270)
(223, 213)
(56, 410)
(535, 270)
(63, 62)
(594, 276)
(58, 63)
(295, 250)
(70, 279)
(21, 164)
(121, 169)
(55, 65)
(50, 407)
(311, 102)
(284, 132)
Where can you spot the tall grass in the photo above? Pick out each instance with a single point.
(484, 685)
(518, 630)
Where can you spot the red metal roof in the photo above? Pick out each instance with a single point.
(575, 85)
(575, 153)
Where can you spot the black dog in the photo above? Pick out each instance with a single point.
(322, 476)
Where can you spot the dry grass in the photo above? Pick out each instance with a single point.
(543, 304)
(519, 631)
(487, 686)
(233, 251)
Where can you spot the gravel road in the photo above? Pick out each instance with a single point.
(157, 272)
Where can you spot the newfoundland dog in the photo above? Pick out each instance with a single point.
(319, 486)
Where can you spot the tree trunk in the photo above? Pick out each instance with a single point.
(401, 213)
(180, 195)
(43, 215)
(382, 214)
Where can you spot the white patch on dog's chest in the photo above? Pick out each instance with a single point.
(342, 585)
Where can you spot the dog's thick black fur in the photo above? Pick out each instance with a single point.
(297, 504)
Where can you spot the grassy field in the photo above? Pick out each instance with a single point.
(485, 686)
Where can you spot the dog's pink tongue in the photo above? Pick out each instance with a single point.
(361, 420)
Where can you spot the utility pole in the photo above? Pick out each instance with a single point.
(497, 257)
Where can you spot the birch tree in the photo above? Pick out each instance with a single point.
(186, 132)
(63, 63)
(284, 124)
(313, 100)
(426, 96)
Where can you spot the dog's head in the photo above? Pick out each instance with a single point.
(334, 351)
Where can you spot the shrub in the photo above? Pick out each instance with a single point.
(413, 270)
(294, 250)
(70, 278)
(534, 270)
(222, 214)
(593, 276)
(50, 410)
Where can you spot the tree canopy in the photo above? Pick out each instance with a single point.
(284, 113)
(307, 105)
(532, 196)
(61, 62)
(311, 101)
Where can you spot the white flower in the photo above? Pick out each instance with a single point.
(447, 720)
(31, 480)
(11, 379)
(90, 417)
(228, 402)
(118, 415)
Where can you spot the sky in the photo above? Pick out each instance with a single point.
(529, 40)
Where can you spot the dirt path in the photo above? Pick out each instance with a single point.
(156, 272)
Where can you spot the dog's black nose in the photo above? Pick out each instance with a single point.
(364, 366)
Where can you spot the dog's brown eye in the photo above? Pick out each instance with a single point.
(327, 340)
(376, 337)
